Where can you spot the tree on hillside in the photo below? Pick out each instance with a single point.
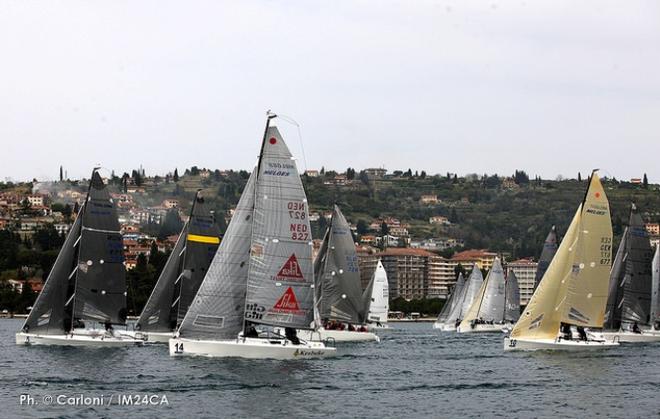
(645, 182)
(175, 177)
(520, 177)
(350, 173)
(384, 229)
(362, 227)
(422, 175)
(171, 225)
(61, 174)
(579, 177)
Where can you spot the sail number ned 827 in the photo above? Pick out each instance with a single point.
(298, 226)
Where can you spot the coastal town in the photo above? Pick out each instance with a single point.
(422, 255)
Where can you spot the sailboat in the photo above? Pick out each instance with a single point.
(511, 300)
(450, 304)
(182, 275)
(548, 252)
(629, 300)
(261, 277)
(573, 290)
(376, 299)
(465, 299)
(87, 282)
(655, 292)
(487, 312)
(340, 313)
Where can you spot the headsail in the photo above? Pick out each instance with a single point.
(512, 300)
(452, 301)
(218, 308)
(548, 252)
(655, 287)
(100, 289)
(280, 279)
(184, 271)
(376, 296)
(612, 320)
(489, 303)
(341, 293)
(574, 288)
(467, 296)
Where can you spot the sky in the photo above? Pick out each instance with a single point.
(549, 87)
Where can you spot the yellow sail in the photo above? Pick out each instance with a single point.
(588, 283)
(574, 288)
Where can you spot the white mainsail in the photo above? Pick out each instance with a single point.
(377, 296)
(655, 287)
(489, 303)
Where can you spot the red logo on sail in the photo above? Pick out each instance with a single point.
(291, 270)
(288, 303)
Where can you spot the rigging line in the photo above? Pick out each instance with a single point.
(297, 125)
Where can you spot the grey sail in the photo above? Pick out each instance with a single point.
(512, 300)
(636, 305)
(472, 287)
(655, 288)
(549, 249)
(156, 315)
(493, 301)
(217, 310)
(367, 297)
(183, 272)
(341, 292)
(629, 300)
(612, 319)
(100, 285)
(452, 301)
(47, 315)
(280, 280)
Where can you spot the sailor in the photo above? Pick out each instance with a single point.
(635, 328)
(582, 333)
(251, 332)
(566, 330)
(109, 329)
(290, 334)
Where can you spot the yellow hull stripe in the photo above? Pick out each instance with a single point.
(203, 239)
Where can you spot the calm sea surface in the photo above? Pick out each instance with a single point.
(414, 372)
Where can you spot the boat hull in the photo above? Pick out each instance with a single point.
(252, 348)
(482, 328)
(151, 337)
(86, 340)
(444, 327)
(555, 345)
(629, 337)
(322, 335)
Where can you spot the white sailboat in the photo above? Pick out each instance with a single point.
(86, 287)
(340, 310)
(628, 312)
(655, 293)
(261, 277)
(450, 303)
(573, 290)
(487, 312)
(465, 299)
(376, 299)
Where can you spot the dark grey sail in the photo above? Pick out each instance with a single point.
(631, 277)
(451, 302)
(218, 308)
(493, 301)
(341, 293)
(281, 279)
(100, 288)
(512, 300)
(549, 249)
(184, 271)
(47, 315)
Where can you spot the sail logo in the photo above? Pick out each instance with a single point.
(290, 271)
(288, 303)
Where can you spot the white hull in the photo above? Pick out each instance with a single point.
(150, 337)
(482, 328)
(555, 345)
(373, 327)
(100, 340)
(321, 335)
(253, 348)
(444, 327)
(629, 337)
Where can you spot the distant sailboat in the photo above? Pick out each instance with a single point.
(465, 299)
(451, 302)
(655, 291)
(487, 312)
(573, 290)
(87, 282)
(512, 299)
(628, 306)
(261, 276)
(548, 252)
(338, 297)
(182, 275)
(376, 299)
